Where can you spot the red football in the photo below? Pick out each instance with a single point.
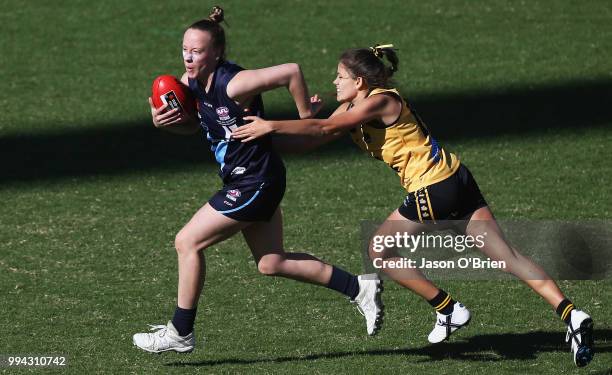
(168, 89)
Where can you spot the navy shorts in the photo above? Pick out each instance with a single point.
(250, 203)
(454, 198)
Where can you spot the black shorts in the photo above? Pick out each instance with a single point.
(454, 198)
(251, 203)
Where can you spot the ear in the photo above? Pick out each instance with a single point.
(361, 84)
(217, 54)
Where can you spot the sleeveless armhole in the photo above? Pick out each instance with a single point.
(401, 100)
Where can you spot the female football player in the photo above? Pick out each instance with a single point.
(439, 187)
(253, 185)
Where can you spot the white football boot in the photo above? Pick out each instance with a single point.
(580, 333)
(447, 324)
(369, 302)
(165, 338)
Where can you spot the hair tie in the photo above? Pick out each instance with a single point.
(216, 14)
(377, 50)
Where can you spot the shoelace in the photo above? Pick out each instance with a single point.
(448, 324)
(160, 328)
(161, 332)
(571, 333)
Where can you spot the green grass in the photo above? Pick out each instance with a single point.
(89, 208)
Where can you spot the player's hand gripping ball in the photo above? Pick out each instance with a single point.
(169, 90)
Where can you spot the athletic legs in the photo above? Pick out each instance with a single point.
(265, 239)
(496, 248)
(411, 278)
(206, 228)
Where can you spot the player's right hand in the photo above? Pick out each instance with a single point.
(255, 128)
(162, 119)
(316, 103)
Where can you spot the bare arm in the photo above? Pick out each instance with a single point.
(248, 83)
(304, 143)
(374, 107)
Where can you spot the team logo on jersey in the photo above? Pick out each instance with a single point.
(223, 113)
(172, 101)
(233, 194)
(238, 171)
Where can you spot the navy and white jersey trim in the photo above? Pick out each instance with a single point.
(435, 150)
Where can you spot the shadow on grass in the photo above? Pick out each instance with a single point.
(137, 146)
(482, 348)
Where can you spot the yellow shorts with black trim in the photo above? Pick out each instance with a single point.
(454, 198)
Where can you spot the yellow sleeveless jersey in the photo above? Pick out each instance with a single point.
(407, 147)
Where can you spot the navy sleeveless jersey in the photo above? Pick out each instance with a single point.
(241, 164)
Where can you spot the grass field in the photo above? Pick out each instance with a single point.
(92, 195)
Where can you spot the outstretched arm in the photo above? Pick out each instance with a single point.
(248, 83)
(369, 109)
(302, 143)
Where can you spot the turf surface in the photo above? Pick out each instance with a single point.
(92, 195)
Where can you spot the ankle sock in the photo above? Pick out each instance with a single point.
(443, 303)
(344, 282)
(564, 310)
(183, 320)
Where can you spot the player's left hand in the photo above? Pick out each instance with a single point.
(257, 128)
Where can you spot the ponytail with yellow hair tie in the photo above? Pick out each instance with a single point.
(377, 49)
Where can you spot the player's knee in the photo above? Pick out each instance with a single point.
(374, 252)
(512, 261)
(184, 244)
(505, 268)
(270, 265)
